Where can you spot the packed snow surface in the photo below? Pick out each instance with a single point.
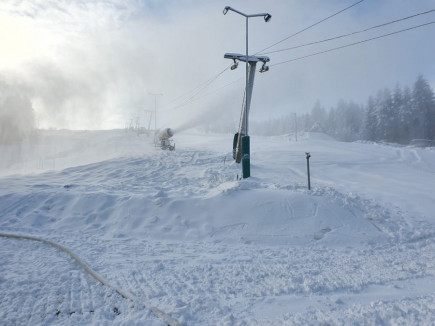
(178, 231)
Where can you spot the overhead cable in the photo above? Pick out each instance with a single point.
(198, 89)
(201, 87)
(306, 28)
(352, 44)
(349, 34)
(194, 99)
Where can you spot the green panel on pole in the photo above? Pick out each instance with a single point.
(246, 161)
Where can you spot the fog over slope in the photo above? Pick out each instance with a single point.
(93, 64)
(17, 120)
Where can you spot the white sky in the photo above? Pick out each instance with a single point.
(92, 64)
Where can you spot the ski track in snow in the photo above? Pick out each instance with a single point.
(168, 228)
(43, 286)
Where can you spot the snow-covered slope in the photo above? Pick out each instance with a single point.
(180, 232)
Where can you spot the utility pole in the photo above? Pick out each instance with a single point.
(155, 107)
(251, 61)
(296, 126)
(150, 119)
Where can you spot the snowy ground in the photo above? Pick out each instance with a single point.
(178, 232)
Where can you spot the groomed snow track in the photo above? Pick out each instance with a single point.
(156, 311)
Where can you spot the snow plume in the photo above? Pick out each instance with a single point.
(210, 115)
(93, 65)
(16, 115)
(209, 118)
(64, 99)
(83, 70)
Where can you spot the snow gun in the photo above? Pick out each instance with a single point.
(164, 139)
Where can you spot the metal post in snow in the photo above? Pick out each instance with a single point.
(248, 100)
(308, 169)
(248, 89)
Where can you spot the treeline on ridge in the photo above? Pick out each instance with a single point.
(397, 116)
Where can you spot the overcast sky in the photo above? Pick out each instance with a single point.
(93, 64)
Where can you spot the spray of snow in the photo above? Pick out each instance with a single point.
(16, 115)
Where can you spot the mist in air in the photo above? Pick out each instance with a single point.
(93, 64)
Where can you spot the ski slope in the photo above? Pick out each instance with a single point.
(177, 231)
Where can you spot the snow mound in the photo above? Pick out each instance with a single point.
(168, 196)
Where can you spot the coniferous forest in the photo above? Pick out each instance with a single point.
(396, 116)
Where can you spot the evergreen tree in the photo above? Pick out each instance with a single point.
(332, 123)
(385, 115)
(318, 118)
(397, 99)
(405, 116)
(424, 108)
(370, 123)
(349, 119)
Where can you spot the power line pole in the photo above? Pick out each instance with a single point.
(155, 107)
(296, 126)
(250, 73)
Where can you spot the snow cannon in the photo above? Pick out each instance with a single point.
(166, 133)
(165, 141)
